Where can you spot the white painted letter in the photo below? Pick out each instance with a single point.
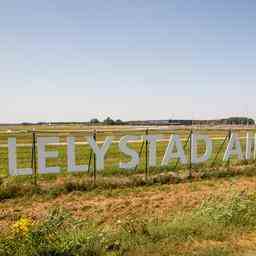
(254, 144)
(43, 155)
(169, 155)
(128, 151)
(72, 167)
(194, 148)
(233, 148)
(249, 146)
(100, 152)
(152, 139)
(13, 171)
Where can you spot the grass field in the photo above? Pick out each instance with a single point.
(211, 213)
(23, 135)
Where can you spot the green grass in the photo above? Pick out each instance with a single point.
(215, 223)
(49, 186)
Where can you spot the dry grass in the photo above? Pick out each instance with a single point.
(109, 205)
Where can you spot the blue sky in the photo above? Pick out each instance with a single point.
(75, 60)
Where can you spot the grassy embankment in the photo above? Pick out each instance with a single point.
(213, 213)
(203, 217)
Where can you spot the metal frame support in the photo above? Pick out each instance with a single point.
(190, 154)
(185, 147)
(94, 161)
(34, 158)
(146, 157)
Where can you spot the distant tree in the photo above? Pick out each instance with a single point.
(251, 121)
(239, 121)
(26, 123)
(94, 121)
(109, 121)
(119, 121)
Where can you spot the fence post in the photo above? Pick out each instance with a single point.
(229, 137)
(185, 147)
(90, 160)
(221, 147)
(33, 158)
(190, 154)
(140, 153)
(146, 158)
(94, 161)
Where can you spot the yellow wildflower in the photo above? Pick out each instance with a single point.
(21, 227)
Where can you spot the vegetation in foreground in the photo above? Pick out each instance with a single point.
(52, 186)
(207, 230)
(217, 223)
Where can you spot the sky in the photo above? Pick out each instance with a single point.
(63, 60)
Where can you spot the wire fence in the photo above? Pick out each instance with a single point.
(27, 148)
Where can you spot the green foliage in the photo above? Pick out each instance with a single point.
(13, 189)
(60, 234)
(81, 185)
(239, 211)
(23, 186)
(109, 121)
(94, 121)
(238, 121)
(214, 220)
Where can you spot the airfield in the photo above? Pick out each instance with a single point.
(212, 212)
